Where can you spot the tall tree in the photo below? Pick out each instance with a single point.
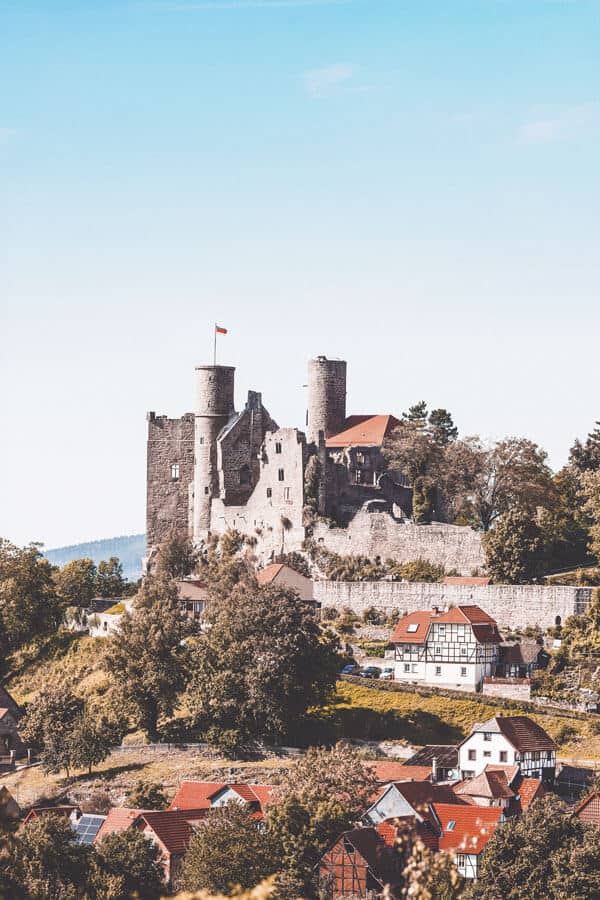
(442, 427)
(585, 457)
(515, 552)
(324, 794)
(109, 578)
(48, 863)
(229, 850)
(130, 863)
(148, 656)
(76, 582)
(416, 415)
(48, 724)
(590, 486)
(177, 556)
(29, 606)
(546, 854)
(261, 663)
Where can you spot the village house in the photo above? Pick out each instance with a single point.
(509, 740)
(361, 863)
(209, 795)
(171, 832)
(281, 575)
(407, 798)
(440, 759)
(464, 832)
(453, 649)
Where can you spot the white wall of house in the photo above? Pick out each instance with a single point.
(467, 863)
(482, 749)
(449, 657)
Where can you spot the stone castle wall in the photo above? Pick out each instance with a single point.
(379, 534)
(273, 513)
(170, 442)
(511, 606)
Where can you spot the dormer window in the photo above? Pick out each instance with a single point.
(175, 472)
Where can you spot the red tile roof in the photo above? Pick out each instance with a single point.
(198, 794)
(174, 828)
(484, 627)
(414, 773)
(421, 620)
(390, 770)
(40, 812)
(511, 772)
(524, 734)
(493, 785)
(3, 712)
(589, 809)
(269, 573)
(363, 431)
(119, 818)
(527, 790)
(472, 829)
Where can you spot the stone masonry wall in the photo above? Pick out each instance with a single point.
(170, 442)
(518, 689)
(274, 501)
(512, 606)
(379, 534)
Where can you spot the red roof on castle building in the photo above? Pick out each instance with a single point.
(363, 431)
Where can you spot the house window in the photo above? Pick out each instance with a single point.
(269, 492)
(461, 860)
(517, 757)
(463, 671)
(463, 651)
(472, 754)
(281, 475)
(278, 447)
(206, 489)
(201, 441)
(245, 475)
(487, 735)
(487, 753)
(442, 630)
(438, 651)
(175, 472)
(415, 667)
(438, 670)
(407, 667)
(535, 755)
(503, 756)
(549, 754)
(287, 493)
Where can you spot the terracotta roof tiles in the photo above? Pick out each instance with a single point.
(363, 431)
(472, 829)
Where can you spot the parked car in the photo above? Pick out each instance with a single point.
(387, 673)
(350, 669)
(370, 672)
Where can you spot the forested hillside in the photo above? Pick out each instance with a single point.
(128, 548)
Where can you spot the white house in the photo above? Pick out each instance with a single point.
(407, 798)
(454, 649)
(465, 832)
(508, 740)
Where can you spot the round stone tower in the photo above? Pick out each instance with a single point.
(326, 397)
(213, 408)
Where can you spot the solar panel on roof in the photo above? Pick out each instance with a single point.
(87, 827)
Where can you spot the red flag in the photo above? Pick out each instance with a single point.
(220, 330)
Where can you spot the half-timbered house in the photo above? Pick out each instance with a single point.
(509, 740)
(454, 649)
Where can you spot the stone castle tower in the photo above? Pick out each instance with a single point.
(213, 408)
(326, 397)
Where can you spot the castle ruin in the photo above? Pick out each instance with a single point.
(216, 469)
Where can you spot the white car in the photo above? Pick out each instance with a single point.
(387, 674)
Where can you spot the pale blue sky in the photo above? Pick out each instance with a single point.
(412, 186)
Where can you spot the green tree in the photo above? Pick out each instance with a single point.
(48, 724)
(177, 556)
(92, 738)
(261, 663)
(442, 427)
(130, 865)
(323, 795)
(147, 795)
(229, 850)
(48, 862)
(590, 485)
(546, 854)
(109, 578)
(514, 549)
(76, 582)
(148, 656)
(416, 415)
(585, 457)
(29, 606)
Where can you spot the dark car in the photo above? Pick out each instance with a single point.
(350, 669)
(370, 672)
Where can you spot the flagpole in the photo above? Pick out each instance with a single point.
(215, 347)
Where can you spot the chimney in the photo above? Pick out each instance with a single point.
(434, 769)
(435, 610)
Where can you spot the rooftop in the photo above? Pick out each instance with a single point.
(466, 829)
(363, 431)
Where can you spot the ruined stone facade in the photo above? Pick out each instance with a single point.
(215, 469)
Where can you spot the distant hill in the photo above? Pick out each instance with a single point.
(129, 548)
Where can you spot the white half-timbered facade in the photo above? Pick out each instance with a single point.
(454, 649)
(509, 740)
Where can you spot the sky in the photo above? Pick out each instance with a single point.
(411, 185)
